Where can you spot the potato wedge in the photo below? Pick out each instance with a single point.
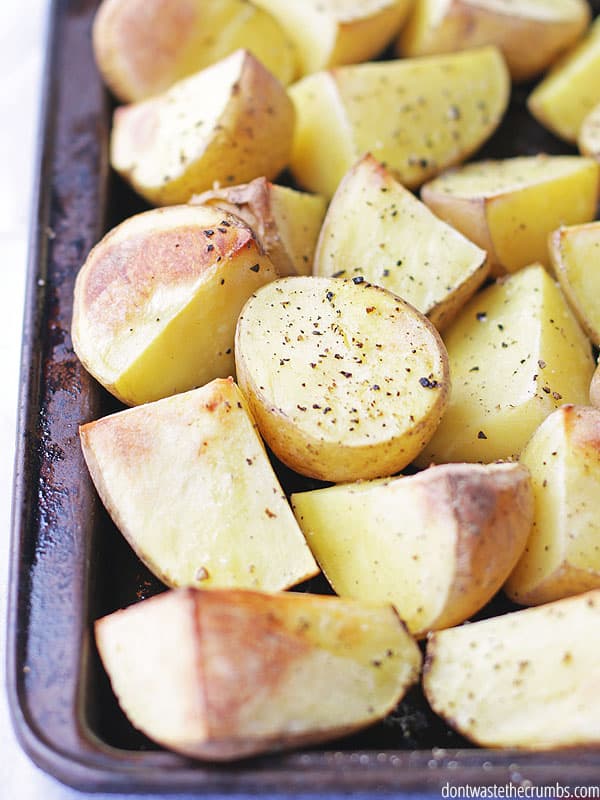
(143, 47)
(451, 25)
(575, 256)
(377, 228)
(224, 674)
(516, 353)
(444, 108)
(510, 207)
(157, 300)
(526, 679)
(588, 140)
(563, 99)
(188, 483)
(345, 380)
(595, 388)
(562, 556)
(328, 33)
(229, 123)
(285, 222)
(437, 545)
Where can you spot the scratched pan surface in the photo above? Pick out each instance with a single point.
(70, 565)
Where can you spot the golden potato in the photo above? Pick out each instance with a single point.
(437, 545)
(188, 483)
(516, 353)
(345, 380)
(588, 140)
(509, 207)
(417, 116)
(526, 679)
(377, 228)
(229, 123)
(157, 300)
(224, 674)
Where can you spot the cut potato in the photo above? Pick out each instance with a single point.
(570, 91)
(224, 674)
(188, 483)
(589, 134)
(142, 47)
(327, 33)
(417, 116)
(229, 123)
(510, 207)
(157, 300)
(516, 353)
(345, 380)
(377, 228)
(575, 255)
(527, 679)
(595, 388)
(285, 222)
(444, 26)
(437, 545)
(562, 556)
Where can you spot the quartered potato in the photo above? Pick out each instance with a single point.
(142, 47)
(417, 116)
(188, 483)
(285, 222)
(224, 674)
(437, 545)
(230, 123)
(562, 556)
(345, 380)
(527, 679)
(530, 33)
(588, 140)
(157, 300)
(377, 228)
(327, 33)
(575, 255)
(570, 91)
(510, 207)
(516, 353)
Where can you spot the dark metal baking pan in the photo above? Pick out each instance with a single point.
(68, 563)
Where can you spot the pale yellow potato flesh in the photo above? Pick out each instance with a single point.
(418, 116)
(285, 222)
(527, 679)
(509, 207)
(563, 99)
(188, 483)
(595, 388)
(143, 47)
(376, 228)
(562, 556)
(225, 674)
(230, 123)
(444, 26)
(516, 352)
(588, 140)
(346, 381)
(157, 300)
(575, 256)
(437, 545)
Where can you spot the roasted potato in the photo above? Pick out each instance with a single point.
(345, 380)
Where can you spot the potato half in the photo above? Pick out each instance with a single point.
(418, 116)
(444, 26)
(437, 545)
(229, 123)
(527, 679)
(377, 228)
(188, 483)
(142, 47)
(223, 674)
(285, 222)
(157, 300)
(562, 556)
(510, 207)
(516, 353)
(345, 380)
